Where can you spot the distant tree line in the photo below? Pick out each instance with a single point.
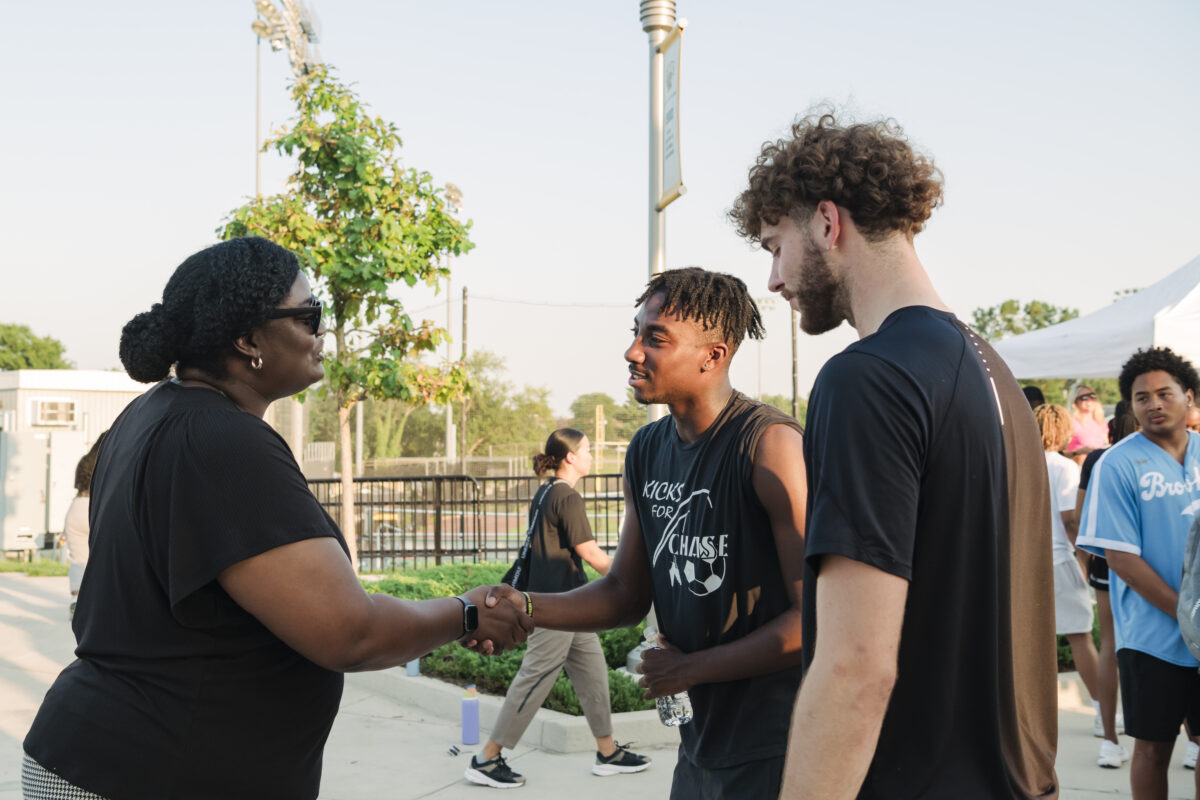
(21, 348)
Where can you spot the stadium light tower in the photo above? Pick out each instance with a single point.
(291, 28)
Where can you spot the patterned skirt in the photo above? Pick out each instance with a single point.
(39, 783)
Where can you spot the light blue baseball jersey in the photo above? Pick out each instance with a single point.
(1141, 500)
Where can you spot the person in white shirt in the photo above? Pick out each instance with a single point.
(1072, 603)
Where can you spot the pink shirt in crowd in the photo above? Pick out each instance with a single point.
(1087, 433)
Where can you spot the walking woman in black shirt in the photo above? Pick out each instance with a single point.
(562, 540)
(220, 607)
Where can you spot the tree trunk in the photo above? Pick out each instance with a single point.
(349, 528)
(408, 410)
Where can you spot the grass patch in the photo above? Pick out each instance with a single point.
(493, 674)
(36, 569)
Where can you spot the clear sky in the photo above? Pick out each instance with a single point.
(1067, 132)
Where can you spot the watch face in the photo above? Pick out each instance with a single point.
(470, 618)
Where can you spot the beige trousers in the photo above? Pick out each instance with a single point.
(549, 652)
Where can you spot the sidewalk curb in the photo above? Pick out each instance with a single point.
(552, 731)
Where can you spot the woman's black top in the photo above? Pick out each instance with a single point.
(176, 691)
(555, 566)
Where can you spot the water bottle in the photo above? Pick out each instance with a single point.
(470, 716)
(676, 709)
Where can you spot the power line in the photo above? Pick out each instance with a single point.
(626, 306)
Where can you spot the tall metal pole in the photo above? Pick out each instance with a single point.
(658, 18)
(462, 412)
(258, 116)
(450, 440)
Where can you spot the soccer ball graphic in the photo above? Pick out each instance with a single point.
(704, 576)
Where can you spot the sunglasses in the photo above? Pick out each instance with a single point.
(1082, 397)
(311, 314)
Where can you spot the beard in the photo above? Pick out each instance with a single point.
(820, 296)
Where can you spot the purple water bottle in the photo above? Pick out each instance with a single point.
(470, 716)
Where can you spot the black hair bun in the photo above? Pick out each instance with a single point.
(148, 346)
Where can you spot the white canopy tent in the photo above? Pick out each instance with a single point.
(1165, 314)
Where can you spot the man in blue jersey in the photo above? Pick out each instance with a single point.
(1143, 495)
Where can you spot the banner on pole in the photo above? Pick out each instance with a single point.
(672, 173)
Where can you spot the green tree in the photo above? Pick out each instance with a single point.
(583, 415)
(784, 403)
(1057, 391)
(497, 414)
(620, 421)
(630, 416)
(21, 348)
(363, 224)
(425, 433)
(1010, 318)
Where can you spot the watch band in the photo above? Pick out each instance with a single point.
(470, 615)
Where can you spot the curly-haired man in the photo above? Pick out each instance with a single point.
(928, 605)
(1141, 500)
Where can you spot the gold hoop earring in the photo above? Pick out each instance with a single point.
(256, 362)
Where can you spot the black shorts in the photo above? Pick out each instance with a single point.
(1157, 696)
(749, 781)
(1097, 572)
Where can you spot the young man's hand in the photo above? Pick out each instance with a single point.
(664, 670)
(503, 622)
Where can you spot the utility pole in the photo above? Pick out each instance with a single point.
(658, 19)
(289, 28)
(463, 410)
(451, 439)
(453, 204)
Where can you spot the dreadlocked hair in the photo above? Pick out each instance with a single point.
(1155, 359)
(716, 300)
(1055, 424)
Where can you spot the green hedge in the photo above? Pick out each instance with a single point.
(493, 674)
(37, 569)
(453, 579)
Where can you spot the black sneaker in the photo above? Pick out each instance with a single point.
(495, 773)
(622, 760)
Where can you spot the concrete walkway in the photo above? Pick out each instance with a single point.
(383, 746)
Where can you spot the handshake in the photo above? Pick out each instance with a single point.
(505, 619)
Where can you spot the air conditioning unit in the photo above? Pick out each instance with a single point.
(52, 412)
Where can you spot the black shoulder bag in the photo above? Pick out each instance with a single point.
(518, 574)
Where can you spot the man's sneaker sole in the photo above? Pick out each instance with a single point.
(483, 779)
(604, 770)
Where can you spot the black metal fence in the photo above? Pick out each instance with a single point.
(438, 519)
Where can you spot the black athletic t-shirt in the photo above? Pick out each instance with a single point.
(556, 567)
(177, 692)
(715, 571)
(1089, 462)
(925, 462)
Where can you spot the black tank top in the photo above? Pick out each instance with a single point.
(715, 571)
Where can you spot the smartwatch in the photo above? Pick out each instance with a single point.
(470, 615)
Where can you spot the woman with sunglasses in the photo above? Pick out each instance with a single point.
(219, 607)
(1089, 429)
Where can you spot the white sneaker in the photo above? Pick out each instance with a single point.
(1112, 756)
(1189, 758)
(1098, 725)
